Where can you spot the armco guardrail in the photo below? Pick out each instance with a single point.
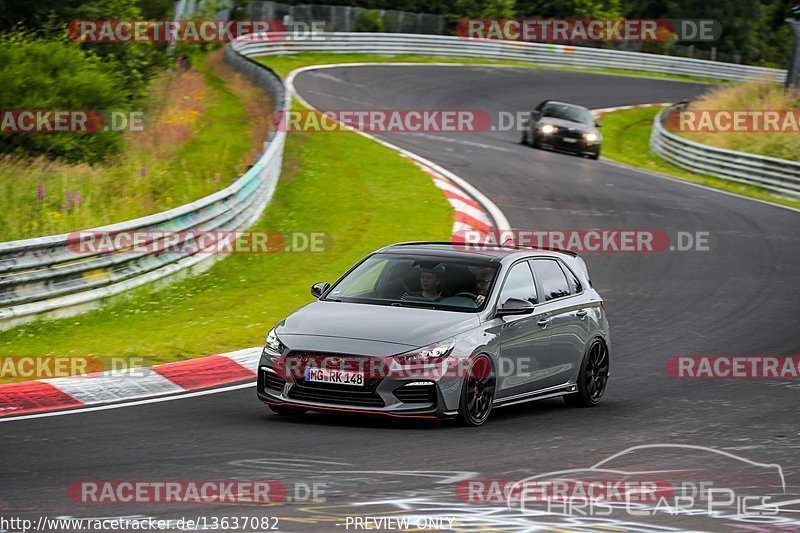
(538, 53)
(45, 276)
(50, 275)
(776, 175)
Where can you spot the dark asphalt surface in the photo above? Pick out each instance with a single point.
(740, 297)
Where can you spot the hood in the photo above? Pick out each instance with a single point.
(408, 327)
(561, 123)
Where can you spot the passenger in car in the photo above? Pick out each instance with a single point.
(430, 281)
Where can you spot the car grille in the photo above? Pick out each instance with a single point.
(570, 133)
(272, 381)
(311, 391)
(416, 393)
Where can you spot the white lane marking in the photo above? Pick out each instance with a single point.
(130, 404)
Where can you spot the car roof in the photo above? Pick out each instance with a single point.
(570, 104)
(462, 251)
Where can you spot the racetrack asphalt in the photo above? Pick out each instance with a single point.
(737, 298)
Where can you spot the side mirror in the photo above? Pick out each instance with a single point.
(536, 115)
(598, 124)
(318, 289)
(515, 306)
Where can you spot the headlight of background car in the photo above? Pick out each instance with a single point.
(427, 356)
(548, 129)
(591, 137)
(272, 347)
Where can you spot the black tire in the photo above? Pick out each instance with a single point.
(524, 139)
(595, 155)
(477, 393)
(535, 142)
(593, 376)
(284, 410)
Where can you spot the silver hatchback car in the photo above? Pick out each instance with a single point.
(442, 330)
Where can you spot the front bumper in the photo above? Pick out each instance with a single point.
(569, 144)
(381, 398)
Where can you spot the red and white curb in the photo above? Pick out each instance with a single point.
(468, 214)
(109, 387)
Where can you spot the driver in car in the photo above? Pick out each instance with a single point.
(430, 281)
(483, 280)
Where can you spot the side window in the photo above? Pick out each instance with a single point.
(554, 283)
(574, 283)
(519, 284)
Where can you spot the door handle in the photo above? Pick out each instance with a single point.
(544, 321)
(582, 313)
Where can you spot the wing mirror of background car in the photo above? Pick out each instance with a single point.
(597, 124)
(515, 306)
(536, 115)
(318, 288)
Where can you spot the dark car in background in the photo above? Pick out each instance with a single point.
(563, 126)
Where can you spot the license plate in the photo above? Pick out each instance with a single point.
(339, 377)
(570, 140)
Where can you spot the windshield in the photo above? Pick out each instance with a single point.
(424, 281)
(567, 112)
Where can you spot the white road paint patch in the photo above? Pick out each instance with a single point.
(247, 357)
(326, 76)
(359, 103)
(463, 142)
(145, 383)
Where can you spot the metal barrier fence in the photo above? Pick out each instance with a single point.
(50, 275)
(45, 275)
(535, 53)
(776, 175)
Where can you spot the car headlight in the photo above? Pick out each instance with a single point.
(548, 129)
(273, 347)
(591, 137)
(429, 355)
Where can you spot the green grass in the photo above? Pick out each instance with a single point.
(363, 195)
(626, 137)
(116, 190)
(751, 96)
(285, 64)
